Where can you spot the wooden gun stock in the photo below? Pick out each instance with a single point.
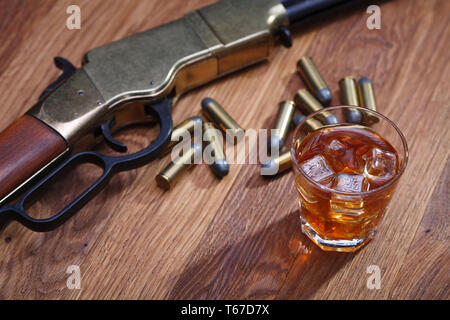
(26, 146)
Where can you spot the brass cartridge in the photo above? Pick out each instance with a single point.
(349, 97)
(307, 104)
(277, 165)
(313, 124)
(282, 123)
(314, 81)
(180, 130)
(367, 99)
(214, 112)
(213, 140)
(168, 176)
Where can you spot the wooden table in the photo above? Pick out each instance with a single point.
(240, 237)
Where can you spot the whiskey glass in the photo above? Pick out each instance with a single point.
(336, 219)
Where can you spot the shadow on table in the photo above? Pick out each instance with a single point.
(279, 262)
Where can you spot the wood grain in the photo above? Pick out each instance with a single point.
(26, 146)
(239, 237)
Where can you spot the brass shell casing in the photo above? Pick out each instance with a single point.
(307, 104)
(168, 176)
(282, 124)
(278, 164)
(349, 97)
(314, 124)
(367, 99)
(214, 112)
(180, 130)
(220, 165)
(314, 81)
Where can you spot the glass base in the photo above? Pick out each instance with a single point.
(350, 245)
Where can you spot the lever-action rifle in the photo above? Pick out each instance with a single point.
(131, 81)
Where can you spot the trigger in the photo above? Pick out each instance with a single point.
(110, 141)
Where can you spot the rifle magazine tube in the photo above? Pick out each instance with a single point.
(349, 97)
(314, 81)
(277, 165)
(282, 123)
(170, 174)
(213, 139)
(187, 126)
(214, 112)
(307, 104)
(367, 99)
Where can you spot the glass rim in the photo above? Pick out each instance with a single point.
(363, 193)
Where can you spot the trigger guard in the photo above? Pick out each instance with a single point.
(146, 155)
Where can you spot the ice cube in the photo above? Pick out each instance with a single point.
(335, 148)
(352, 183)
(347, 162)
(380, 165)
(318, 169)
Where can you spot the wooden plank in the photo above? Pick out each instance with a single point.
(238, 237)
(425, 271)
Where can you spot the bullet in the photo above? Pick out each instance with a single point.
(307, 104)
(349, 97)
(277, 165)
(314, 81)
(169, 175)
(367, 99)
(215, 113)
(282, 123)
(297, 119)
(214, 145)
(180, 130)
